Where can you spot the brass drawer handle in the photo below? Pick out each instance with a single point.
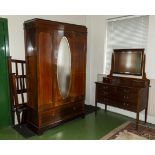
(105, 87)
(126, 97)
(125, 104)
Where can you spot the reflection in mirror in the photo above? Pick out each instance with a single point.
(64, 67)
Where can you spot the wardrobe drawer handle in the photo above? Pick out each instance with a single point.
(126, 97)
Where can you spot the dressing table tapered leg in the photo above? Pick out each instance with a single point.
(145, 114)
(137, 120)
(95, 107)
(105, 107)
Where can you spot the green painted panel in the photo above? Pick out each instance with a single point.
(4, 79)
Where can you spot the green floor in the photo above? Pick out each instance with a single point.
(90, 128)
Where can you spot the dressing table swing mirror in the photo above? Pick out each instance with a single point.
(124, 92)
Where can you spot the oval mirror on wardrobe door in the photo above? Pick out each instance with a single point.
(64, 67)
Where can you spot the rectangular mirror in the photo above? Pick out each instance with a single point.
(128, 61)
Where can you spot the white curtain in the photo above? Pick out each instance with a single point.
(125, 33)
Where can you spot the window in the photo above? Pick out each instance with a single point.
(131, 32)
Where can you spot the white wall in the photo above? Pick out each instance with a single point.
(95, 53)
(150, 55)
(16, 32)
(96, 36)
(95, 46)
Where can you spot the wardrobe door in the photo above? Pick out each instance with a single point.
(62, 58)
(45, 70)
(31, 67)
(77, 45)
